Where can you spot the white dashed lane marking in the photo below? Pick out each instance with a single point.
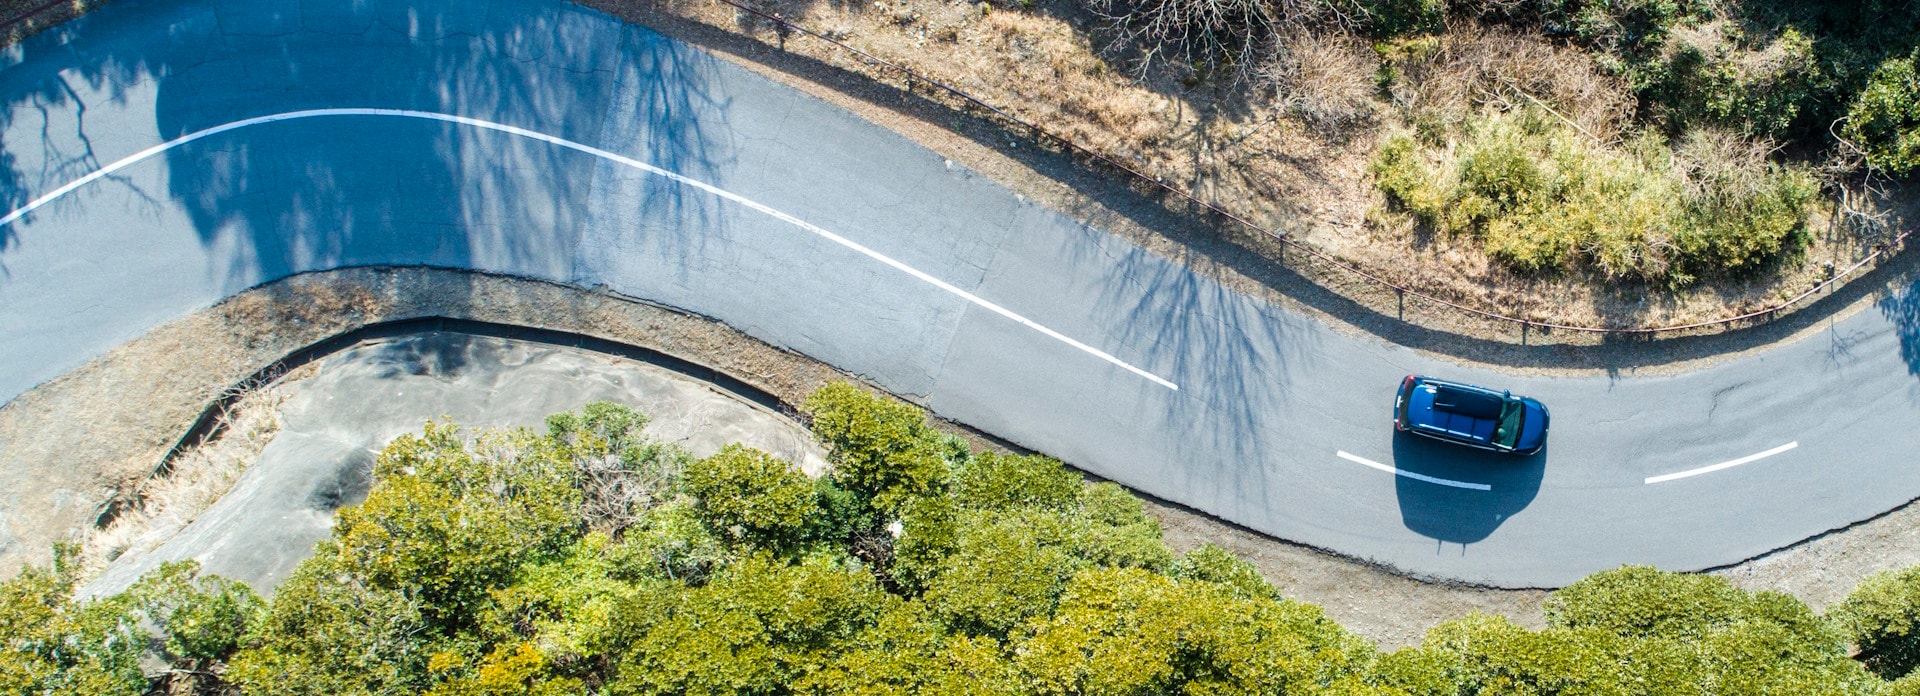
(1723, 465)
(69, 187)
(1363, 461)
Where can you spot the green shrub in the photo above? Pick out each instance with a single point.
(758, 627)
(451, 521)
(1128, 631)
(673, 543)
(1113, 529)
(881, 450)
(1905, 686)
(205, 618)
(1002, 571)
(1627, 31)
(1882, 617)
(1541, 197)
(1884, 119)
(329, 631)
(619, 472)
(1391, 18)
(744, 491)
(1213, 564)
(1422, 671)
(908, 651)
(1760, 91)
(1698, 629)
(991, 481)
(50, 644)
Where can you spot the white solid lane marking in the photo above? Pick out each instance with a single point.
(603, 154)
(1723, 465)
(1417, 477)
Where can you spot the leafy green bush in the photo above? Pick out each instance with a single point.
(992, 481)
(1628, 32)
(1716, 82)
(450, 522)
(1002, 571)
(1213, 564)
(1037, 585)
(881, 450)
(1390, 18)
(1884, 119)
(1700, 629)
(1129, 631)
(766, 500)
(759, 627)
(1541, 197)
(51, 644)
(1882, 617)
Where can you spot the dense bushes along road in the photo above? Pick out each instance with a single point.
(1683, 145)
(589, 559)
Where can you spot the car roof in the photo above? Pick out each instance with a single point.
(1455, 410)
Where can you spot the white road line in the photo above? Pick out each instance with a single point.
(1723, 465)
(1417, 477)
(603, 154)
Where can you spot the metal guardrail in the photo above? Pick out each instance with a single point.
(1402, 291)
(787, 26)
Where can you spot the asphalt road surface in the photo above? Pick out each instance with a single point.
(173, 153)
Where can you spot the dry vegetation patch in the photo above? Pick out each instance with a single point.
(192, 480)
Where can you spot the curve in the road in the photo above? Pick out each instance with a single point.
(1268, 402)
(717, 192)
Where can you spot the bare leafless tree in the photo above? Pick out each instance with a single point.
(1227, 37)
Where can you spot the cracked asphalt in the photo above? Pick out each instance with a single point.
(1266, 397)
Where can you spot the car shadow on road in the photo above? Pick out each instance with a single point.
(1462, 515)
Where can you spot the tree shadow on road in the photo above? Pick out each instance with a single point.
(1459, 515)
(286, 197)
(1231, 355)
(1902, 308)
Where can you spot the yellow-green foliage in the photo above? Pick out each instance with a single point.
(1634, 626)
(748, 492)
(1884, 119)
(1009, 577)
(881, 449)
(449, 520)
(1541, 196)
(1213, 564)
(50, 644)
(1882, 617)
(1129, 631)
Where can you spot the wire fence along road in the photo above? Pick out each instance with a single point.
(784, 27)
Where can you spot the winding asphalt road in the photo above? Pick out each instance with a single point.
(168, 154)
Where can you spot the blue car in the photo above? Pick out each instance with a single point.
(1469, 415)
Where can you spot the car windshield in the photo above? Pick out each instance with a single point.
(1507, 432)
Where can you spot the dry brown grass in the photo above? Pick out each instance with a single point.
(1444, 78)
(1325, 80)
(167, 503)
